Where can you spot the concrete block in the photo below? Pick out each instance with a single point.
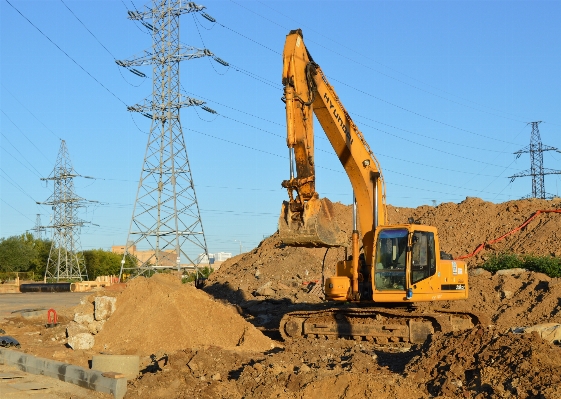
(74, 329)
(89, 379)
(129, 365)
(477, 272)
(35, 314)
(511, 272)
(81, 341)
(96, 326)
(83, 318)
(265, 290)
(104, 307)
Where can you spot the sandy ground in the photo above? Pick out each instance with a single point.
(223, 341)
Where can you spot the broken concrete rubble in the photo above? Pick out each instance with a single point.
(81, 341)
(104, 307)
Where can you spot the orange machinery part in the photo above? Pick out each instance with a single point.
(481, 246)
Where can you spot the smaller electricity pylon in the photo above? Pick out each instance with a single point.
(66, 261)
(537, 171)
(38, 228)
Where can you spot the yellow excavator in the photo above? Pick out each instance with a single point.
(397, 266)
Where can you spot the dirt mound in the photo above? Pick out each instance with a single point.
(275, 272)
(161, 314)
(462, 227)
(518, 300)
(485, 364)
(285, 272)
(327, 370)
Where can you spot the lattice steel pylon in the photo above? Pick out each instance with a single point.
(66, 261)
(38, 228)
(166, 230)
(537, 171)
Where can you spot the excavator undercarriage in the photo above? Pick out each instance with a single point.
(384, 326)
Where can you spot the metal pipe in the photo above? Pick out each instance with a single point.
(354, 287)
(354, 213)
(291, 157)
(47, 287)
(375, 203)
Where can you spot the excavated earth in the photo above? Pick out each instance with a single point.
(223, 341)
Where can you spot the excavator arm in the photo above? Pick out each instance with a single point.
(306, 220)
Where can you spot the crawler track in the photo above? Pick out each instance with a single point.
(381, 325)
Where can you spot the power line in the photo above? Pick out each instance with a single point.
(27, 217)
(106, 49)
(380, 130)
(420, 115)
(382, 100)
(16, 185)
(390, 68)
(90, 32)
(431, 138)
(65, 53)
(32, 114)
(24, 135)
(37, 173)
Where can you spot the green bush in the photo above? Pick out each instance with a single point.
(502, 261)
(543, 264)
(202, 273)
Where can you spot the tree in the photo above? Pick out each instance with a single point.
(23, 253)
(104, 263)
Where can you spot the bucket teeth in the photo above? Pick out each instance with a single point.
(313, 227)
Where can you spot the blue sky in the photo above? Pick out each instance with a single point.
(442, 91)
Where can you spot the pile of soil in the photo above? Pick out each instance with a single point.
(312, 369)
(286, 272)
(520, 299)
(483, 363)
(160, 314)
(462, 227)
(206, 349)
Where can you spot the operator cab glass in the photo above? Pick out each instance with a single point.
(391, 256)
(423, 260)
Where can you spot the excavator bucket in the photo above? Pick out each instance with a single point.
(315, 227)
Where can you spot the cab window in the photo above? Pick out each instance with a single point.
(423, 260)
(391, 255)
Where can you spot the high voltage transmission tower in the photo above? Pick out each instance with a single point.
(166, 229)
(66, 261)
(537, 171)
(38, 228)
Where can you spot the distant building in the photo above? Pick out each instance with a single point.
(222, 256)
(167, 258)
(213, 258)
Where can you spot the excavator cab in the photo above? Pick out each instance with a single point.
(404, 255)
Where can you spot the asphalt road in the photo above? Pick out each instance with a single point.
(37, 300)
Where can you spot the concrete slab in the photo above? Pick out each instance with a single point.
(89, 379)
(56, 390)
(35, 314)
(128, 365)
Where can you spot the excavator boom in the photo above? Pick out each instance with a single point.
(305, 219)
